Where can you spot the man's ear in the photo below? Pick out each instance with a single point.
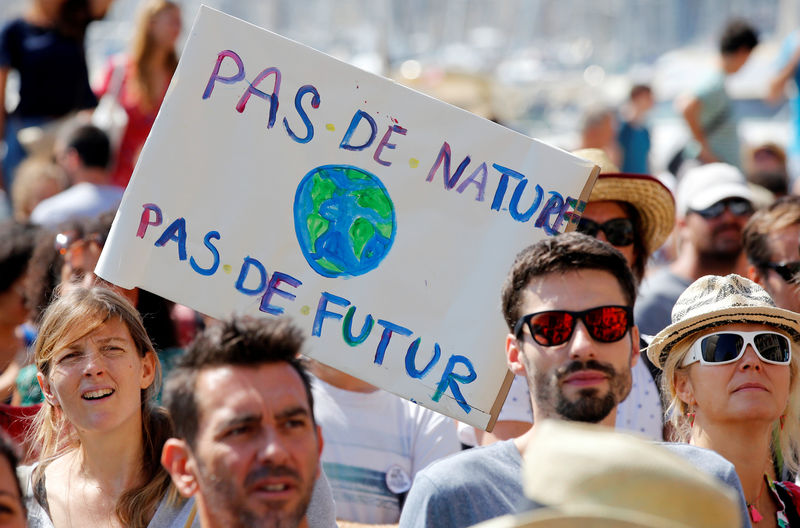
(514, 357)
(754, 275)
(635, 341)
(321, 444)
(181, 466)
(46, 390)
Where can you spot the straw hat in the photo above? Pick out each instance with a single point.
(653, 201)
(592, 476)
(712, 301)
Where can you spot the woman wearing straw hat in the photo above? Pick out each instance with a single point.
(731, 380)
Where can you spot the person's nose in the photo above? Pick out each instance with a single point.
(275, 449)
(582, 346)
(94, 363)
(750, 359)
(601, 235)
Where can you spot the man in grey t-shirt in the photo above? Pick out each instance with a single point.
(568, 304)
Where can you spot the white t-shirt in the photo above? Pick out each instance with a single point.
(83, 200)
(374, 445)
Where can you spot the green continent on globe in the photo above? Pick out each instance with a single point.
(344, 220)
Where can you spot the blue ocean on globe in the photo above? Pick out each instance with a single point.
(344, 220)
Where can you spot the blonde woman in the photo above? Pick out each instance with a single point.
(147, 72)
(731, 377)
(99, 435)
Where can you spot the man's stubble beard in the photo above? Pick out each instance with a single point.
(590, 406)
(230, 510)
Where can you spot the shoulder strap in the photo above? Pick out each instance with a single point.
(118, 66)
(190, 519)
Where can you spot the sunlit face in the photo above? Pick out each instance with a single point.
(12, 514)
(747, 390)
(582, 379)
(783, 244)
(96, 379)
(604, 210)
(256, 454)
(165, 27)
(719, 237)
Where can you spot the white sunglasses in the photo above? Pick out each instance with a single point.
(721, 348)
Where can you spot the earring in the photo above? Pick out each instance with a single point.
(783, 421)
(691, 418)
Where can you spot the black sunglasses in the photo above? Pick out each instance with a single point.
(606, 324)
(789, 271)
(618, 231)
(737, 206)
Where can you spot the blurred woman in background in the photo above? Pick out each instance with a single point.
(147, 72)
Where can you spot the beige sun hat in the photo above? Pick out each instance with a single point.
(712, 301)
(652, 200)
(592, 476)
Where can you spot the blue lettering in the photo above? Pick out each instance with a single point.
(306, 121)
(451, 379)
(323, 313)
(247, 264)
(272, 288)
(211, 235)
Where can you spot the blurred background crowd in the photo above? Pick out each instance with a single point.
(654, 87)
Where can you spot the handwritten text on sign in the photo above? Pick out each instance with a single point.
(382, 221)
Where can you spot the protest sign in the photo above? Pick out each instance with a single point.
(279, 181)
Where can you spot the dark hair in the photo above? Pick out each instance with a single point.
(640, 254)
(16, 248)
(782, 213)
(562, 254)
(238, 341)
(92, 146)
(9, 451)
(737, 35)
(640, 89)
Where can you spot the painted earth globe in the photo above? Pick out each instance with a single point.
(344, 220)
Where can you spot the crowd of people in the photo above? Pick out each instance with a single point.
(655, 379)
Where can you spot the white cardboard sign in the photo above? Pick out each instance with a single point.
(278, 180)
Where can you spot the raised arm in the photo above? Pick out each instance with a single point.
(778, 82)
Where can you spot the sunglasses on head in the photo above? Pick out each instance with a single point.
(721, 348)
(618, 231)
(737, 206)
(787, 270)
(66, 241)
(604, 323)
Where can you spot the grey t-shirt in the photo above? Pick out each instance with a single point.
(714, 464)
(466, 488)
(486, 482)
(657, 295)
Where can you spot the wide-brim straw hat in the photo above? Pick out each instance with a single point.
(588, 475)
(651, 198)
(579, 518)
(713, 301)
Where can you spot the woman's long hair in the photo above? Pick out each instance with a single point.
(52, 433)
(142, 47)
